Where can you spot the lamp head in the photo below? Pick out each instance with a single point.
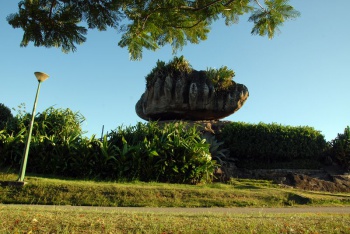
(41, 76)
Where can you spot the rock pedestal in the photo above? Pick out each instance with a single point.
(184, 97)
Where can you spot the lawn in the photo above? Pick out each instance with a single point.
(29, 219)
(236, 193)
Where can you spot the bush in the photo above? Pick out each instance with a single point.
(60, 122)
(274, 146)
(172, 152)
(340, 149)
(55, 133)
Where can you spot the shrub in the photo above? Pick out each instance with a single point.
(274, 146)
(221, 78)
(11, 148)
(173, 152)
(60, 122)
(340, 149)
(175, 67)
(56, 132)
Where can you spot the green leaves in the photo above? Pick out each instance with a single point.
(221, 78)
(171, 152)
(268, 19)
(49, 24)
(143, 24)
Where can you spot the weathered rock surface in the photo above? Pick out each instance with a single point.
(189, 98)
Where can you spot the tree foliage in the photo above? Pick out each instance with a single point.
(340, 150)
(5, 115)
(146, 24)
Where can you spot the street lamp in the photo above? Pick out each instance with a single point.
(40, 77)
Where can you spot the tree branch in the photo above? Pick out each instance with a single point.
(199, 9)
(187, 27)
(184, 8)
(53, 4)
(259, 4)
(229, 3)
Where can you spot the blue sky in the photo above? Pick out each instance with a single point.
(300, 78)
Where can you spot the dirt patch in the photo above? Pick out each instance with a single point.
(339, 183)
(330, 179)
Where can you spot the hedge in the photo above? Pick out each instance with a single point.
(273, 145)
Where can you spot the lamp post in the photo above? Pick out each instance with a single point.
(40, 77)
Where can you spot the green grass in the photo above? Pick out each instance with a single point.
(237, 193)
(60, 220)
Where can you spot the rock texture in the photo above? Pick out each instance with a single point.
(175, 97)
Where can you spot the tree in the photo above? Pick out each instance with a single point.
(146, 24)
(5, 115)
(340, 150)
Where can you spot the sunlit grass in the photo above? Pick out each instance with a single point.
(236, 193)
(60, 220)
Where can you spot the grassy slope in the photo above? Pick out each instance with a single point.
(239, 193)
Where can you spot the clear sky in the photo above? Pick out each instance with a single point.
(300, 78)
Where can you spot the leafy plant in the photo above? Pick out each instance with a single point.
(58, 121)
(221, 78)
(174, 67)
(215, 148)
(180, 64)
(169, 153)
(268, 19)
(11, 148)
(57, 137)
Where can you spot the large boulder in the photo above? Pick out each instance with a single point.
(188, 95)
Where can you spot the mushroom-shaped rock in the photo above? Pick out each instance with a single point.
(182, 93)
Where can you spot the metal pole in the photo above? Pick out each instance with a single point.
(103, 127)
(26, 149)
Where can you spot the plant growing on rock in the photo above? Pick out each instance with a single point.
(174, 68)
(177, 91)
(221, 78)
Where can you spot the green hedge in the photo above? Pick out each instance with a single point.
(273, 145)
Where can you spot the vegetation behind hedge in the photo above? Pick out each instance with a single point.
(273, 145)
